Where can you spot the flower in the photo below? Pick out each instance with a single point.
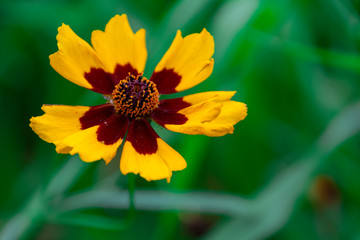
(114, 67)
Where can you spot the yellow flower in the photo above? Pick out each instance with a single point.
(113, 67)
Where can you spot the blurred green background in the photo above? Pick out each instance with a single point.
(289, 171)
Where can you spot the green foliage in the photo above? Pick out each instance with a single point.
(296, 64)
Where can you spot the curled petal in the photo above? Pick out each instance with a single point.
(176, 104)
(218, 96)
(210, 113)
(188, 120)
(231, 113)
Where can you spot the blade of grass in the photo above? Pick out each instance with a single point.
(27, 221)
(203, 202)
(92, 221)
(66, 176)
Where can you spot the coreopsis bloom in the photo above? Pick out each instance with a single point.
(114, 67)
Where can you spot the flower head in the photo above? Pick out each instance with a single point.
(114, 67)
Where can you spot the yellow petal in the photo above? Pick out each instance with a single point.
(231, 113)
(176, 104)
(118, 45)
(216, 95)
(187, 63)
(93, 132)
(173, 159)
(228, 113)
(154, 166)
(58, 122)
(74, 58)
(196, 115)
(152, 163)
(86, 144)
(149, 166)
(205, 111)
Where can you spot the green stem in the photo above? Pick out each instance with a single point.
(131, 188)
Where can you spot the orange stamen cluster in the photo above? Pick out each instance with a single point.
(135, 97)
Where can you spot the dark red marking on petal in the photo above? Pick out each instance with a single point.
(174, 104)
(96, 115)
(121, 72)
(112, 129)
(142, 137)
(104, 82)
(168, 117)
(100, 80)
(166, 81)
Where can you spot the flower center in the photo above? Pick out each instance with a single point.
(135, 97)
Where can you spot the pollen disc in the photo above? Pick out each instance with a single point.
(135, 96)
